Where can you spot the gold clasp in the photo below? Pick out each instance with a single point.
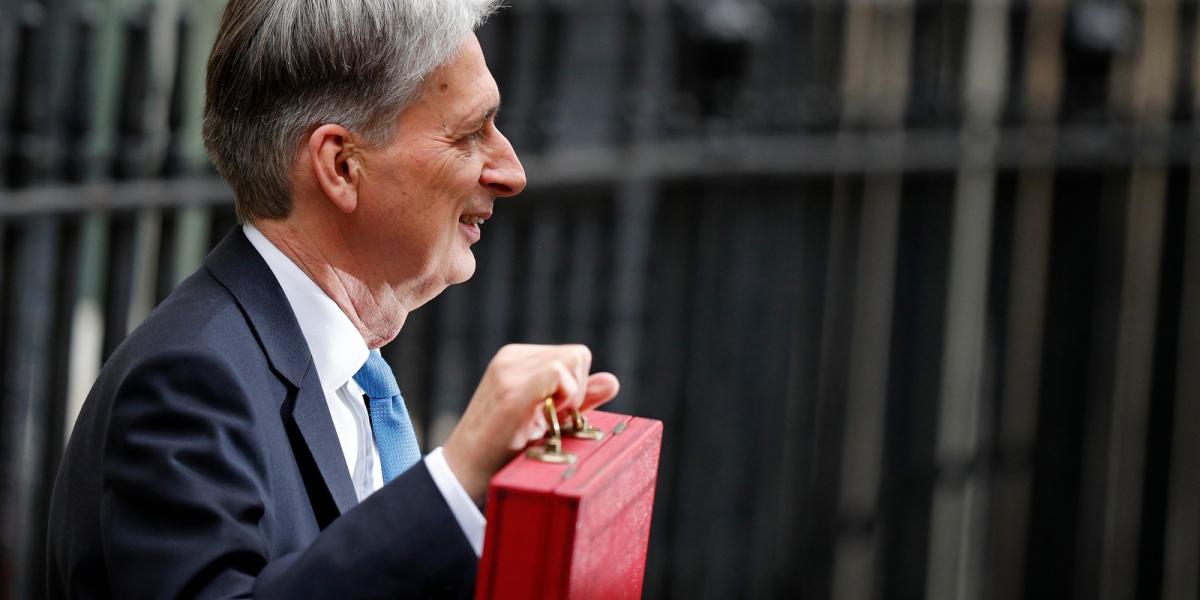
(552, 451)
(580, 428)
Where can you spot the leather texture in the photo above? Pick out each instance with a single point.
(205, 464)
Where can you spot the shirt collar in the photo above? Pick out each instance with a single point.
(337, 348)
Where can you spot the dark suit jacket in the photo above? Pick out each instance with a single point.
(205, 464)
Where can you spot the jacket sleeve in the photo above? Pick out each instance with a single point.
(185, 492)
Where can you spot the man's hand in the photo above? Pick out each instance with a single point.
(505, 412)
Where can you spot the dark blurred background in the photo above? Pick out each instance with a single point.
(913, 284)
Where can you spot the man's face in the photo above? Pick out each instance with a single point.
(424, 194)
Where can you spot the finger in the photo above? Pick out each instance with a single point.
(580, 359)
(601, 387)
(581, 377)
(582, 355)
(567, 389)
(537, 430)
(564, 390)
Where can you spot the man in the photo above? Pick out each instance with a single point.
(247, 439)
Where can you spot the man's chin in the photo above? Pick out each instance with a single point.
(462, 270)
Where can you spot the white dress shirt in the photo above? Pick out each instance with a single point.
(338, 352)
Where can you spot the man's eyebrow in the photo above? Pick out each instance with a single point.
(492, 112)
(482, 118)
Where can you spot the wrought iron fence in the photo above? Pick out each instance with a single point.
(913, 284)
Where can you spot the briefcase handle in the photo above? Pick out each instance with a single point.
(552, 451)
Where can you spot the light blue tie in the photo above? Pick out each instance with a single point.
(393, 430)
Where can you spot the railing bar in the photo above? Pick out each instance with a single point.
(636, 205)
(583, 273)
(1017, 425)
(958, 515)
(867, 153)
(453, 381)
(675, 273)
(118, 296)
(143, 286)
(637, 202)
(27, 365)
(697, 477)
(57, 381)
(543, 251)
(809, 298)
(203, 19)
(521, 104)
(1181, 578)
(956, 538)
(876, 87)
(497, 279)
(783, 323)
(79, 94)
(1153, 70)
(9, 237)
(857, 554)
(223, 219)
(192, 231)
(735, 157)
(1131, 394)
(582, 108)
(67, 275)
(87, 320)
(8, 64)
(130, 158)
(1017, 416)
(824, 421)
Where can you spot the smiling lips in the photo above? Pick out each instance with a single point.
(470, 226)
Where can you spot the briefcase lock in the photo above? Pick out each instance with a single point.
(552, 451)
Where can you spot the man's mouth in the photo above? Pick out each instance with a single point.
(472, 220)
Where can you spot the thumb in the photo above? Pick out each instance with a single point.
(601, 387)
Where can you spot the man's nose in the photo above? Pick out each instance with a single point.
(503, 173)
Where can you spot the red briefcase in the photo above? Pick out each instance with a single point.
(573, 521)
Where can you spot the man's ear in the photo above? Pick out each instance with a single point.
(335, 163)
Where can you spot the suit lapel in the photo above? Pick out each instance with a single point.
(312, 417)
(238, 266)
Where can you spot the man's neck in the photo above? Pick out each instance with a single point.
(376, 311)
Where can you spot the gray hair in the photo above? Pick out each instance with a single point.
(281, 68)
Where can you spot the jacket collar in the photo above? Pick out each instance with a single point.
(337, 348)
(239, 267)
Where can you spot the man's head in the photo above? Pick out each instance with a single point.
(359, 136)
(280, 68)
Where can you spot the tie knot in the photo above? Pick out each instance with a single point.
(375, 377)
